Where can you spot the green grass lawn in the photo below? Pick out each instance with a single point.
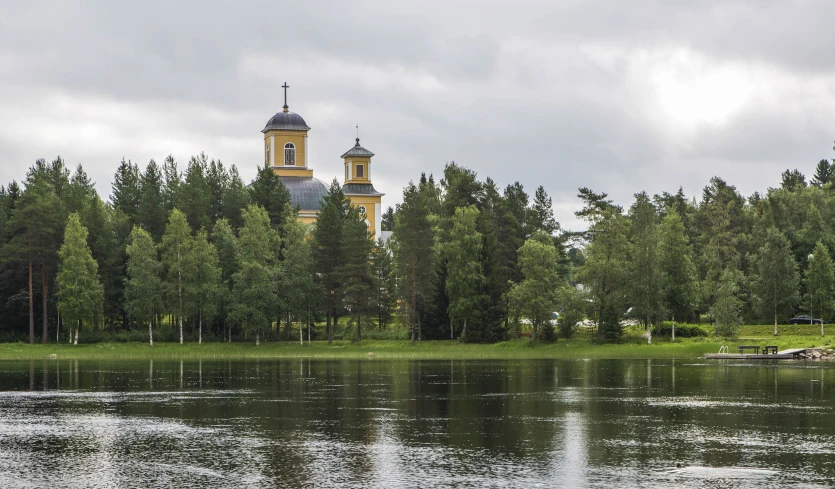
(632, 345)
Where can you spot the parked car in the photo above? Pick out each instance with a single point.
(804, 319)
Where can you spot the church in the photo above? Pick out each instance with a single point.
(286, 150)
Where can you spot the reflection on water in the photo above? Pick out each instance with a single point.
(372, 423)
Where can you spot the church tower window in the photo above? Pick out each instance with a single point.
(361, 209)
(289, 154)
(267, 156)
(360, 171)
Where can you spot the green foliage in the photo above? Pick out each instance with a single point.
(775, 284)
(535, 297)
(354, 271)
(646, 283)
(728, 306)
(820, 283)
(175, 247)
(327, 248)
(465, 273)
(80, 293)
(143, 285)
(678, 273)
(269, 192)
(571, 306)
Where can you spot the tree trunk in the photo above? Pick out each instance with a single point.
(330, 329)
(44, 297)
(31, 307)
(775, 322)
(200, 328)
(359, 328)
(301, 332)
(464, 330)
(257, 339)
(151, 332)
(77, 327)
(180, 294)
(674, 327)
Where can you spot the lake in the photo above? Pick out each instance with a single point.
(375, 423)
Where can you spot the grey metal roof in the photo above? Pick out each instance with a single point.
(358, 150)
(286, 121)
(306, 193)
(359, 189)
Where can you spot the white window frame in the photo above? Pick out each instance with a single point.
(290, 146)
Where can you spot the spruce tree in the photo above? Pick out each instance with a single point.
(776, 281)
(383, 290)
(327, 249)
(80, 293)
(269, 192)
(152, 213)
(678, 273)
(194, 197)
(354, 270)
(126, 190)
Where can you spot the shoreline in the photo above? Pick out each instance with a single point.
(388, 350)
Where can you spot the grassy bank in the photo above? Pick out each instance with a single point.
(391, 349)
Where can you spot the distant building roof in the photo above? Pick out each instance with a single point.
(358, 150)
(306, 193)
(286, 121)
(359, 189)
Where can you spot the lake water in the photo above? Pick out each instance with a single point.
(376, 423)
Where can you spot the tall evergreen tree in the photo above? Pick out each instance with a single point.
(299, 291)
(413, 240)
(143, 285)
(678, 273)
(80, 293)
(173, 182)
(152, 213)
(269, 192)
(194, 197)
(541, 214)
(354, 269)
(383, 290)
(728, 306)
(646, 281)
(126, 190)
(776, 281)
(223, 237)
(327, 248)
(235, 199)
(823, 173)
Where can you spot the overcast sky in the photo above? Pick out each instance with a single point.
(616, 96)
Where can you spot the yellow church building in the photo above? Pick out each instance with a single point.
(286, 152)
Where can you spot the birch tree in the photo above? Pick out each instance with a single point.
(175, 247)
(143, 285)
(80, 292)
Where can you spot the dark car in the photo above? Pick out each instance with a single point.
(804, 319)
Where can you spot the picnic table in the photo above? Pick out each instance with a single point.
(769, 349)
(756, 349)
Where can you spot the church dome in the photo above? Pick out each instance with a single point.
(286, 121)
(306, 193)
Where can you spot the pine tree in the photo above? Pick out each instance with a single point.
(354, 269)
(646, 280)
(541, 214)
(327, 248)
(80, 293)
(728, 306)
(172, 184)
(383, 292)
(223, 237)
(387, 221)
(413, 241)
(143, 285)
(175, 247)
(678, 273)
(235, 199)
(34, 224)
(776, 281)
(823, 173)
(217, 183)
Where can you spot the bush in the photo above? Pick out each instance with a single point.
(547, 333)
(682, 330)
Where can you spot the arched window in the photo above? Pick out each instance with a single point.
(267, 156)
(289, 155)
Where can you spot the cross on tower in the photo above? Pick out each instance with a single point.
(285, 87)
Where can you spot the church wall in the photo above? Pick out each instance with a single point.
(369, 202)
(280, 138)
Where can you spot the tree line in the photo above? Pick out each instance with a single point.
(196, 252)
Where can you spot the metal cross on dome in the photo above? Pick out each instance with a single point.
(285, 87)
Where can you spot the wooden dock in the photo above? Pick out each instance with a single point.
(791, 354)
(748, 356)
